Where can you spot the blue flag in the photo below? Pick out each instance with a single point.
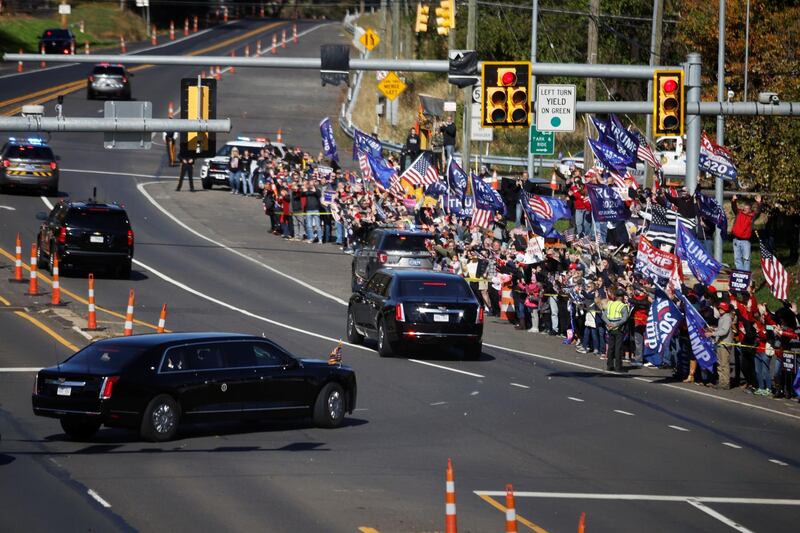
(702, 346)
(381, 171)
(328, 140)
(436, 189)
(607, 204)
(608, 156)
(487, 198)
(704, 267)
(710, 210)
(456, 178)
(602, 130)
(365, 143)
(626, 142)
(544, 211)
(662, 322)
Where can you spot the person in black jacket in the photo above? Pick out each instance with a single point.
(312, 196)
(448, 137)
(411, 149)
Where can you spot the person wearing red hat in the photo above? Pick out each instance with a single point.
(723, 335)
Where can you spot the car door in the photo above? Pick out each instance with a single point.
(376, 294)
(287, 386)
(48, 229)
(366, 256)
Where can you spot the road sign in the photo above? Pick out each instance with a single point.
(117, 140)
(370, 39)
(391, 86)
(64, 9)
(476, 96)
(555, 107)
(477, 131)
(542, 142)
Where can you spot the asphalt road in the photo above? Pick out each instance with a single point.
(633, 454)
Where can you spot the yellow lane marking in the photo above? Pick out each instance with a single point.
(5, 302)
(71, 87)
(365, 529)
(78, 298)
(47, 330)
(500, 507)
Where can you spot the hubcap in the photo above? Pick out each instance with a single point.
(335, 405)
(350, 325)
(163, 418)
(381, 335)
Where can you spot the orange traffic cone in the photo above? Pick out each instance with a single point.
(19, 63)
(261, 12)
(232, 68)
(450, 525)
(154, 36)
(495, 181)
(33, 284)
(247, 51)
(195, 25)
(258, 47)
(507, 311)
(43, 63)
(170, 110)
(202, 73)
(217, 72)
(186, 27)
(225, 15)
(129, 316)
(511, 510)
(274, 43)
(86, 48)
(91, 323)
(171, 30)
(283, 38)
(162, 319)
(582, 523)
(18, 260)
(280, 135)
(553, 184)
(294, 33)
(122, 44)
(55, 297)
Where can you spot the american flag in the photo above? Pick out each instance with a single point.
(421, 173)
(645, 153)
(363, 162)
(540, 207)
(335, 357)
(482, 217)
(776, 276)
(569, 235)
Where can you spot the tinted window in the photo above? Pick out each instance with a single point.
(438, 288)
(112, 71)
(404, 243)
(29, 152)
(56, 34)
(193, 357)
(238, 354)
(378, 284)
(99, 219)
(105, 358)
(269, 354)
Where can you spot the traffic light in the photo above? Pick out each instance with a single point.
(445, 17)
(505, 94)
(668, 103)
(422, 18)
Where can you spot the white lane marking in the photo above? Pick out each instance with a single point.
(8, 208)
(779, 463)
(436, 403)
(19, 369)
(626, 413)
(520, 385)
(47, 202)
(638, 378)
(474, 393)
(175, 219)
(98, 498)
(719, 516)
(640, 497)
(360, 409)
(426, 363)
(678, 428)
(574, 399)
(130, 174)
(732, 445)
(82, 333)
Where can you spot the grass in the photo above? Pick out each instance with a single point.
(103, 24)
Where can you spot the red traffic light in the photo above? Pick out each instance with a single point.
(508, 78)
(670, 86)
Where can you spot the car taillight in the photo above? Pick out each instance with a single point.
(108, 387)
(124, 79)
(479, 318)
(399, 314)
(62, 235)
(53, 165)
(382, 257)
(130, 237)
(91, 78)
(6, 163)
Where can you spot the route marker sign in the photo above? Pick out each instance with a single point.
(555, 107)
(391, 86)
(542, 142)
(370, 39)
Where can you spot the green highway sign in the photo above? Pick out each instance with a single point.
(542, 142)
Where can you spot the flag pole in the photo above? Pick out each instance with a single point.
(596, 239)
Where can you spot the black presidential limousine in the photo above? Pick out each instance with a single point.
(152, 382)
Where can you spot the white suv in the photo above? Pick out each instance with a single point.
(214, 170)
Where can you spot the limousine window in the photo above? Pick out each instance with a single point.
(268, 355)
(434, 288)
(105, 358)
(193, 357)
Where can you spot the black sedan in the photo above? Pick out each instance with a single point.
(403, 308)
(57, 41)
(153, 382)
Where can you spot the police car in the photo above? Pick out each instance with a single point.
(28, 164)
(214, 170)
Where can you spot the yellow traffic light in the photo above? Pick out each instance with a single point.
(422, 18)
(668, 103)
(505, 90)
(445, 17)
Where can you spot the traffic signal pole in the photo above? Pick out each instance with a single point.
(693, 122)
(718, 185)
(466, 144)
(534, 38)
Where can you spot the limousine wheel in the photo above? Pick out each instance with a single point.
(79, 428)
(385, 348)
(160, 420)
(329, 407)
(353, 336)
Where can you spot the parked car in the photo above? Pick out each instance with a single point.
(109, 81)
(57, 41)
(86, 234)
(152, 383)
(214, 170)
(403, 309)
(29, 164)
(390, 248)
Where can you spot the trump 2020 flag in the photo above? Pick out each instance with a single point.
(365, 143)
(328, 140)
(662, 322)
(704, 267)
(609, 157)
(710, 210)
(607, 204)
(626, 142)
(384, 175)
(702, 346)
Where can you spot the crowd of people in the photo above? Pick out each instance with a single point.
(583, 289)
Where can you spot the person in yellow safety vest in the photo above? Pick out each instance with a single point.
(615, 315)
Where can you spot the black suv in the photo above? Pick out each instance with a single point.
(402, 308)
(86, 234)
(30, 164)
(390, 248)
(57, 41)
(109, 81)
(151, 383)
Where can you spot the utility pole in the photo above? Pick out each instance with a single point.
(655, 55)
(718, 185)
(395, 29)
(746, 48)
(472, 20)
(693, 122)
(591, 83)
(534, 37)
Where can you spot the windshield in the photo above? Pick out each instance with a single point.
(103, 358)
(434, 288)
(56, 34)
(28, 151)
(110, 71)
(405, 243)
(102, 219)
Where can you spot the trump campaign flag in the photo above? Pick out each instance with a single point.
(607, 204)
(662, 322)
(365, 143)
(626, 142)
(608, 156)
(654, 263)
(328, 140)
(487, 203)
(702, 346)
(384, 175)
(704, 267)
(544, 211)
(710, 210)
(716, 160)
